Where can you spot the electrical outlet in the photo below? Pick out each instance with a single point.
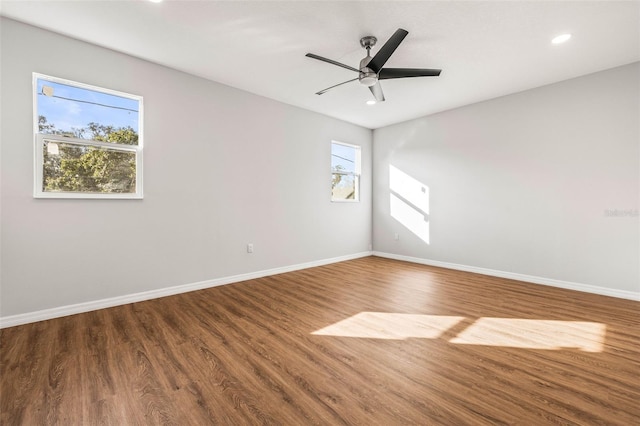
(396, 236)
(250, 248)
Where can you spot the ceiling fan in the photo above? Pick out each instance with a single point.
(371, 70)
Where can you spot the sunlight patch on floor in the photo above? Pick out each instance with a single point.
(486, 331)
(534, 334)
(382, 325)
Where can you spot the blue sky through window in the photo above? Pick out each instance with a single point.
(74, 107)
(343, 156)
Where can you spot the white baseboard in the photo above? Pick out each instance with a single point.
(622, 294)
(62, 311)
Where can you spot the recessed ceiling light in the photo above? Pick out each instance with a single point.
(561, 38)
(371, 102)
(155, 1)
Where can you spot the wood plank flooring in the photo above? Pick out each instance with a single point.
(365, 342)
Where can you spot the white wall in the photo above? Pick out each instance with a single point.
(222, 168)
(522, 183)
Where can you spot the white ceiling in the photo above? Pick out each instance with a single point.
(486, 49)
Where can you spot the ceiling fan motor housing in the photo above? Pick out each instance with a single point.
(367, 76)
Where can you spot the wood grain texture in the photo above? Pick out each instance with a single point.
(276, 350)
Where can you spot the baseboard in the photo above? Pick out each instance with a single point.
(45, 314)
(622, 294)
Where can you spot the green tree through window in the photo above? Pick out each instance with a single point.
(77, 168)
(88, 141)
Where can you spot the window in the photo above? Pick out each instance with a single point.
(88, 141)
(345, 169)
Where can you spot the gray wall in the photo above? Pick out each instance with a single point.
(523, 183)
(518, 184)
(222, 168)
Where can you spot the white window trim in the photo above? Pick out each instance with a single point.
(357, 174)
(39, 138)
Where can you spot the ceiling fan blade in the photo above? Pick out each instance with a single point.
(331, 61)
(387, 73)
(376, 89)
(339, 84)
(387, 50)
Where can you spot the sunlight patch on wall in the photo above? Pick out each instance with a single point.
(534, 334)
(409, 202)
(383, 325)
(412, 190)
(410, 218)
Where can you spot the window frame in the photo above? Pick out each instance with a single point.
(356, 174)
(39, 141)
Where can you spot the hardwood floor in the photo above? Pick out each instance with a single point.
(370, 341)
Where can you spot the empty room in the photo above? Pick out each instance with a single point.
(319, 212)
